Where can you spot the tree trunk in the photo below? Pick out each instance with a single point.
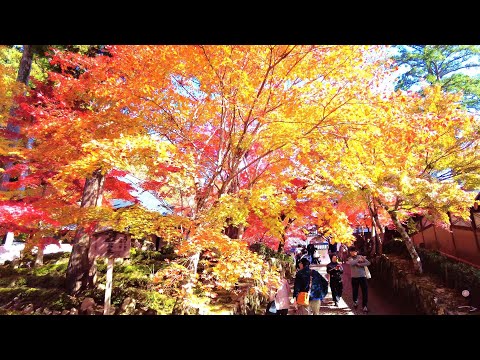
(9, 238)
(81, 270)
(194, 261)
(281, 244)
(373, 240)
(241, 230)
(25, 64)
(379, 232)
(280, 247)
(231, 231)
(417, 264)
(39, 258)
(22, 76)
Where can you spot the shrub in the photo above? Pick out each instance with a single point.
(55, 257)
(455, 274)
(395, 246)
(161, 303)
(58, 267)
(45, 281)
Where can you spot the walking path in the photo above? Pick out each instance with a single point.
(380, 301)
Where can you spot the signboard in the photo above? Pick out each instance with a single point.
(110, 244)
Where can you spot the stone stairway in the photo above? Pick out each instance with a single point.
(328, 306)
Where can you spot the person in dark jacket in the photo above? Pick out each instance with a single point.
(335, 270)
(311, 251)
(318, 290)
(298, 256)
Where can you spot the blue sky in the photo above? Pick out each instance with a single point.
(146, 198)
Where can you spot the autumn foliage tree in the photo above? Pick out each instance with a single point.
(418, 157)
(246, 114)
(80, 133)
(246, 143)
(231, 118)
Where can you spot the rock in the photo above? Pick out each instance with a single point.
(39, 311)
(87, 303)
(65, 312)
(73, 311)
(56, 312)
(101, 287)
(90, 311)
(7, 305)
(28, 309)
(18, 306)
(99, 310)
(147, 245)
(128, 306)
(47, 311)
(136, 244)
(150, 312)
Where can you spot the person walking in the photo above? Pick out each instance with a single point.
(298, 256)
(311, 251)
(335, 270)
(282, 297)
(308, 280)
(357, 265)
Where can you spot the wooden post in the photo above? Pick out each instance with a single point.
(108, 286)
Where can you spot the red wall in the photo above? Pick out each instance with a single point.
(462, 245)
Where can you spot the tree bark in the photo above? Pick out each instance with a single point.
(417, 264)
(23, 75)
(280, 247)
(373, 240)
(380, 233)
(25, 64)
(39, 258)
(81, 270)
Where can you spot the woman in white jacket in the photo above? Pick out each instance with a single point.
(283, 296)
